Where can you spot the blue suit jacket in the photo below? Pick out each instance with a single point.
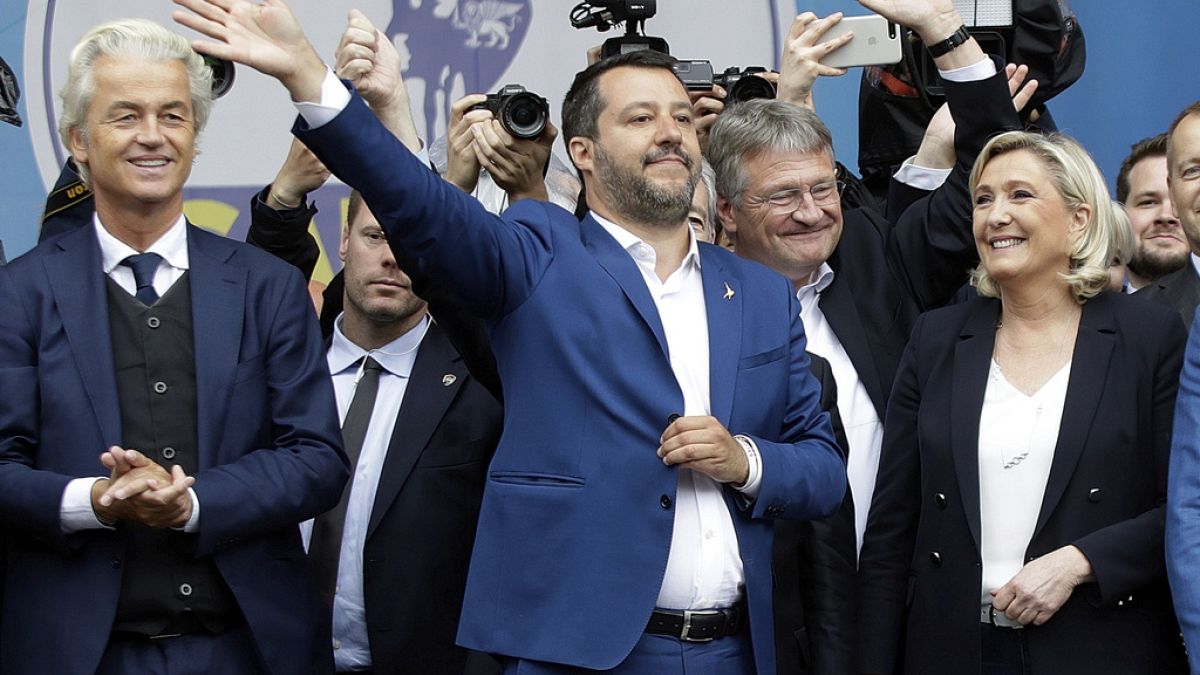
(578, 510)
(1183, 498)
(269, 446)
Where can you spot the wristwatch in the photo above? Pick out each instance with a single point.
(956, 40)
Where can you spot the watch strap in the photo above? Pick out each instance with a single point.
(956, 40)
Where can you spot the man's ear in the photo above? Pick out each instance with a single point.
(725, 213)
(582, 152)
(344, 242)
(79, 146)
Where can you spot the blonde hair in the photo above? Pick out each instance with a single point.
(129, 37)
(1106, 236)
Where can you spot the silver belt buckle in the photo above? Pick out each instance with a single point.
(685, 635)
(1004, 621)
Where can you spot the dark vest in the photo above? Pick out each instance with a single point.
(164, 588)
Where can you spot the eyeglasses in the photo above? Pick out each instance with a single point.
(787, 201)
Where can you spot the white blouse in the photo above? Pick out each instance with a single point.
(1017, 437)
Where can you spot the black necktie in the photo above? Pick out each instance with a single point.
(144, 266)
(326, 545)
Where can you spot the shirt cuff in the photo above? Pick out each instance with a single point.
(754, 459)
(76, 513)
(920, 177)
(980, 70)
(193, 522)
(334, 99)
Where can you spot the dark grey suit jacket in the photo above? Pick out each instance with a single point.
(1179, 290)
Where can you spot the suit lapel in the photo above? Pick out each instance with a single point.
(972, 362)
(1089, 371)
(218, 310)
(621, 267)
(723, 306)
(77, 282)
(838, 307)
(427, 398)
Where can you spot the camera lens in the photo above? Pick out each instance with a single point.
(751, 87)
(525, 115)
(223, 74)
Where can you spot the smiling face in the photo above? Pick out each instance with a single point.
(1023, 227)
(792, 241)
(1184, 176)
(138, 136)
(1161, 245)
(644, 163)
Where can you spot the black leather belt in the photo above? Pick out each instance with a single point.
(697, 625)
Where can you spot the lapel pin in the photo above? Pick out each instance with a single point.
(448, 379)
(728, 292)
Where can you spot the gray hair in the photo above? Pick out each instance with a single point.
(751, 128)
(1107, 234)
(134, 38)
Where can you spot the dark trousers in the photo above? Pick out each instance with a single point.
(230, 653)
(1005, 651)
(662, 655)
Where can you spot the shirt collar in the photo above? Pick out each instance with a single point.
(396, 357)
(631, 242)
(172, 246)
(824, 278)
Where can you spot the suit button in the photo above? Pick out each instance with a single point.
(935, 558)
(1094, 495)
(672, 417)
(153, 322)
(168, 452)
(664, 501)
(116, 563)
(160, 387)
(185, 590)
(940, 500)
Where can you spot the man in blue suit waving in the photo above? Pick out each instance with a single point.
(659, 411)
(139, 343)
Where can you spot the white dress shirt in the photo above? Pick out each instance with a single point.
(351, 650)
(76, 511)
(864, 429)
(1017, 438)
(704, 566)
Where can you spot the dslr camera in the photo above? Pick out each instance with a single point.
(743, 85)
(522, 113)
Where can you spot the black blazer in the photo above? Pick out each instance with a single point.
(422, 524)
(1179, 290)
(814, 566)
(920, 573)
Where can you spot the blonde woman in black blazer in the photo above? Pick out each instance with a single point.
(1035, 545)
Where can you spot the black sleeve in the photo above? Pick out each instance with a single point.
(284, 233)
(814, 575)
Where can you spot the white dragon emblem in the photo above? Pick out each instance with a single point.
(486, 20)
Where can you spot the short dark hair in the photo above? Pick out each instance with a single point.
(1155, 146)
(582, 105)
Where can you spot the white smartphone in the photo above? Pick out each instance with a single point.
(876, 42)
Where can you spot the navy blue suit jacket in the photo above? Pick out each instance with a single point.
(578, 509)
(269, 446)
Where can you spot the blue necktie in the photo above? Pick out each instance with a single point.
(144, 266)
